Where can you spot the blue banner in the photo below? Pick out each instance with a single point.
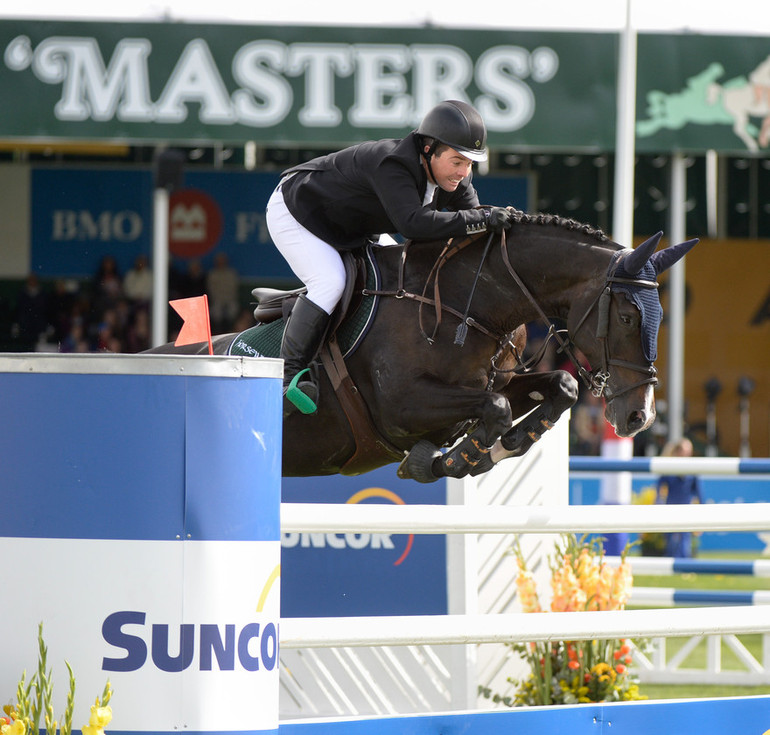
(584, 490)
(80, 216)
(172, 458)
(327, 575)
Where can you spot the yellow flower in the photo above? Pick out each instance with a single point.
(92, 730)
(100, 716)
(17, 727)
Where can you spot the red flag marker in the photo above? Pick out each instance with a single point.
(196, 326)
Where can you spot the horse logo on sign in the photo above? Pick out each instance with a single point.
(742, 102)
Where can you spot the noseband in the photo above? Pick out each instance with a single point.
(596, 380)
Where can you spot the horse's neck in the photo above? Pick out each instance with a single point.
(557, 267)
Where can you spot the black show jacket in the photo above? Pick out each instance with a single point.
(373, 188)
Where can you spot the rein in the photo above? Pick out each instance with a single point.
(504, 341)
(595, 380)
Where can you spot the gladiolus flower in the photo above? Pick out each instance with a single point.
(620, 668)
(573, 665)
(17, 727)
(100, 716)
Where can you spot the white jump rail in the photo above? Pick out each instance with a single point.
(672, 465)
(442, 519)
(668, 565)
(520, 627)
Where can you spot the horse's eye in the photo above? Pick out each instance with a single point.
(626, 319)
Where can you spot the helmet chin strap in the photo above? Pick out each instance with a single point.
(427, 156)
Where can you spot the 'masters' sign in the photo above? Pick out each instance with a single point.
(284, 85)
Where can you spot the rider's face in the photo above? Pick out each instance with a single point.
(449, 168)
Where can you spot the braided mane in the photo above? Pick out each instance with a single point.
(558, 221)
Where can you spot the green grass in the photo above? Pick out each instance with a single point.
(698, 691)
(697, 658)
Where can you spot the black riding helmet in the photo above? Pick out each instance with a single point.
(458, 125)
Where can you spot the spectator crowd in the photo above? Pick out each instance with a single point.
(111, 312)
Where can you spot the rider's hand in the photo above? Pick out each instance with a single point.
(499, 219)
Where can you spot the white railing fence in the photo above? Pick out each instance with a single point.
(480, 629)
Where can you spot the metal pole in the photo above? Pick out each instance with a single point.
(169, 175)
(160, 267)
(623, 194)
(675, 381)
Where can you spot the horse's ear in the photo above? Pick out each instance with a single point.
(666, 258)
(635, 260)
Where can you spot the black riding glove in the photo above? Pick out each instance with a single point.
(499, 219)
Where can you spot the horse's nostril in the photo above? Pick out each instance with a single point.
(635, 421)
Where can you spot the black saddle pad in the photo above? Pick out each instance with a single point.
(264, 340)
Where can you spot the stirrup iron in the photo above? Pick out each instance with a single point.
(300, 399)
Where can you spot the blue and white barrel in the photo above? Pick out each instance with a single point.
(140, 523)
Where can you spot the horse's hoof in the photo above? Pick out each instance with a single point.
(417, 465)
(484, 465)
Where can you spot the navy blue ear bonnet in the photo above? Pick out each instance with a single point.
(641, 287)
(647, 301)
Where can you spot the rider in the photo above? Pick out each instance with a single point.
(341, 200)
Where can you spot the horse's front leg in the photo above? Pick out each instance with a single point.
(543, 397)
(473, 450)
(450, 405)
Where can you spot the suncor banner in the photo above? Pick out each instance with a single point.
(353, 574)
(294, 85)
(141, 528)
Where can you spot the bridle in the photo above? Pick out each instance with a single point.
(596, 380)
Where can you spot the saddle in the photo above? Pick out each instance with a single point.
(274, 304)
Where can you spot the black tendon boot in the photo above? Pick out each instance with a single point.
(301, 339)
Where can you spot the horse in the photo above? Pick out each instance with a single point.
(439, 382)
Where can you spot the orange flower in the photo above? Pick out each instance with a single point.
(525, 584)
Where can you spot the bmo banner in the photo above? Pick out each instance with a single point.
(81, 215)
(140, 525)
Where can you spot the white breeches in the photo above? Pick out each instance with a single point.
(316, 263)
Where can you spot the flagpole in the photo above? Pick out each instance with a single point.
(625, 136)
(160, 267)
(208, 323)
(169, 175)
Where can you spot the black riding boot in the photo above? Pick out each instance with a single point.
(301, 339)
